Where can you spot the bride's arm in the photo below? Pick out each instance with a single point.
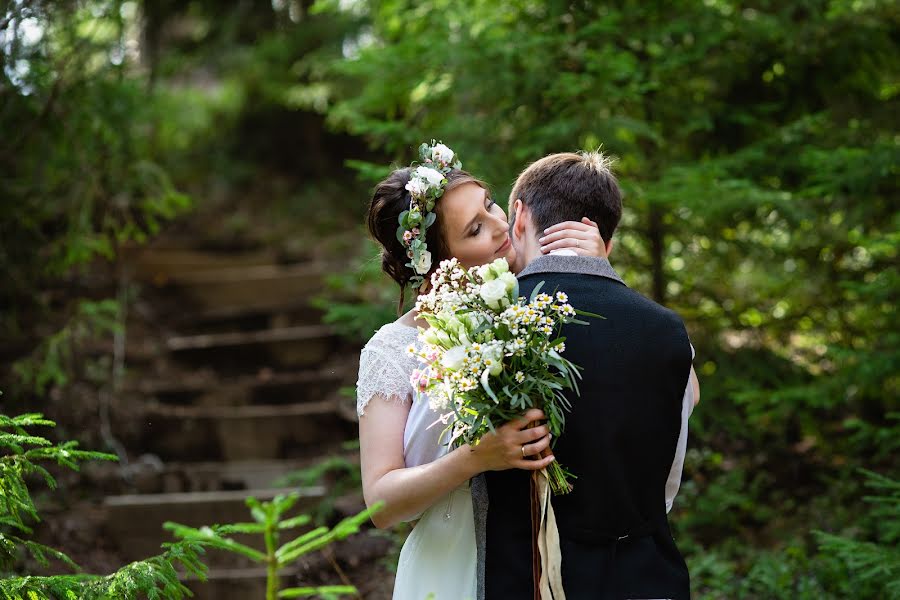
(407, 491)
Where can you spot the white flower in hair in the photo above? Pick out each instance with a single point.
(441, 154)
(416, 187)
(423, 265)
(433, 177)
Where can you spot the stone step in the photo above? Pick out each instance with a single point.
(259, 288)
(134, 521)
(159, 265)
(244, 474)
(232, 433)
(288, 347)
(263, 387)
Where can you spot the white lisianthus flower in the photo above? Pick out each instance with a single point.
(493, 293)
(500, 266)
(458, 328)
(441, 154)
(436, 337)
(432, 177)
(453, 358)
(423, 265)
(511, 283)
(484, 272)
(493, 359)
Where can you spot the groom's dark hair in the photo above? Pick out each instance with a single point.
(569, 186)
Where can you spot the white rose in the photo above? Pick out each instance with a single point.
(493, 293)
(441, 154)
(424, 263)
(453, 358)
(432, 176)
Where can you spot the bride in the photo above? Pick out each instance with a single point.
(405, 464)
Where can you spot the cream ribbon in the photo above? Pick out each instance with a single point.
(548, 544)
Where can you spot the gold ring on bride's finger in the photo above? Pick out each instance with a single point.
(523, 451)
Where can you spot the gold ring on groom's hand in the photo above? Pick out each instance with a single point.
(523, 452)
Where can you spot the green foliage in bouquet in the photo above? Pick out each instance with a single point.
(269, 521)
(490, 355)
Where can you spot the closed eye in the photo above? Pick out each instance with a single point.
(490, 204)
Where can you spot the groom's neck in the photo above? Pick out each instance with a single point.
(529, 247)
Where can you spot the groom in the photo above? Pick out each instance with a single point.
(626, 430)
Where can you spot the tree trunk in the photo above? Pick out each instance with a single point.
(656, 234)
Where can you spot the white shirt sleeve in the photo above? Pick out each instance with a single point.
(687, 407)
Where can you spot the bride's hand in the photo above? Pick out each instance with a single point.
(513, 445)
(581, 237)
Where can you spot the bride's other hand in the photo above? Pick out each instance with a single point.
(515, 446)
(581, 237)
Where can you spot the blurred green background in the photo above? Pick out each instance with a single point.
(757, 142)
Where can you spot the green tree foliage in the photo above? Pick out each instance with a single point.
(155, 578)
(269, 521)
(24, 455)
(81, 173)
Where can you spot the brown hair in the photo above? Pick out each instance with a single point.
(389, 199)
(568, 186)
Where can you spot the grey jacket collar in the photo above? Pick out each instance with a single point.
(585, 265)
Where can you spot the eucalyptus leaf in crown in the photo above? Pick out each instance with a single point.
(489, 355)
(426, 184)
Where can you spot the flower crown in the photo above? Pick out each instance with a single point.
(426, 184)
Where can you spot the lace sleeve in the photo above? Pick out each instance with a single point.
(380, 374)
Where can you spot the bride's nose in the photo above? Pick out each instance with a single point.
(499, 224)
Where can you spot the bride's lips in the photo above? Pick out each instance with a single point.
(503, 247)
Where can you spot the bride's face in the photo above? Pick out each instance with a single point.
(474, 227)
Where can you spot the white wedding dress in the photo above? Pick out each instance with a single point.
(438, 559)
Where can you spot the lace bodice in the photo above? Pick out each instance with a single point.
(384, 367)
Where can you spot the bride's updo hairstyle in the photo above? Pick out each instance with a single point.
(391, 198)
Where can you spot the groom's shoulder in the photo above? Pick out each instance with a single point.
(589, 291)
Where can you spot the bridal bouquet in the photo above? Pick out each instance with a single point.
(489, 354)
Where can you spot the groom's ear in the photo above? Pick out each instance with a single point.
(609, 247)
(518, 220)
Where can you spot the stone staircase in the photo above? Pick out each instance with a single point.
(233, 383)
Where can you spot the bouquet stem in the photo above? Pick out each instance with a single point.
(558, 477)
